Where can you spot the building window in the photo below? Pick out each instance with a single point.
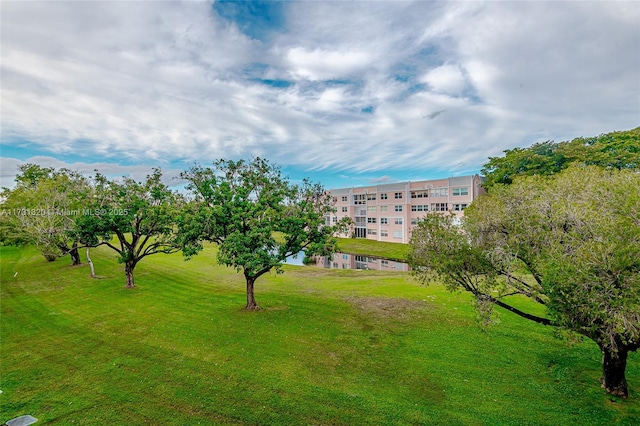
(420, 208)
(335, 219)
(398, 221)
(344, 210)
(440, 192)
(384, 220)
(419, 194)
(384, 233)
(398, 208)
(345, 256)
(460, 191)
(344, 198)
(397, 195)
(371, 208)
(414, 221)
(371, 232)
(383, 208)
(384, 262)
(383, 196)
(371, 197)
(459, 207)
(397, 234)
(371, 220)
(359, 199)
(439, 207)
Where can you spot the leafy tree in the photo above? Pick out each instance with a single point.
(43, 209)
(570, 242)
(141, 215)
(256, 217)
(617, 150)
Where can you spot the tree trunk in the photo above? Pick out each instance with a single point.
(614, 364)
(251, 300)
(75, 256)
(93, 272)
(128, 270)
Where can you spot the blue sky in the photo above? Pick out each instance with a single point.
(347, 93)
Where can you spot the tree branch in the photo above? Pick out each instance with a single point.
(108, 244)
(141, 246)
(534, 318)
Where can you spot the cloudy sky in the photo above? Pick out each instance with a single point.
(347, 93)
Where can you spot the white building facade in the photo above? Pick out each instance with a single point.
(388, 212)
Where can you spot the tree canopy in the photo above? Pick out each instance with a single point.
(141, 215)
(43, 210)
(570, 242)
(256, 216)
(616, 150)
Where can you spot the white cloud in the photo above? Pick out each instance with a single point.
(445, 79)
(341, 85)
(382, 179)
(556, 60)
(320, 64)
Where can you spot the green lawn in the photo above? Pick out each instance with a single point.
(330, 347)
(394, 251)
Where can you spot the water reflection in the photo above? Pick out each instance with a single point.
(296, 259)
(354, 261)
(349, 261)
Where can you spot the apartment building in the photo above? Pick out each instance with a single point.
(388, 212)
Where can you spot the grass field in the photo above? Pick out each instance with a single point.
(393, 251)
(330, 347)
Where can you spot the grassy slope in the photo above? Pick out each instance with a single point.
(330, 347)
(394, 251)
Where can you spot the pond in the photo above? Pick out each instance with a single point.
(350, 261)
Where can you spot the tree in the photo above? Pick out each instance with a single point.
(43, 209)
(141, 215)
(256, 217)
(570, 242)
(616, 150)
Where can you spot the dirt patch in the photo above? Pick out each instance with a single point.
(389, 307)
